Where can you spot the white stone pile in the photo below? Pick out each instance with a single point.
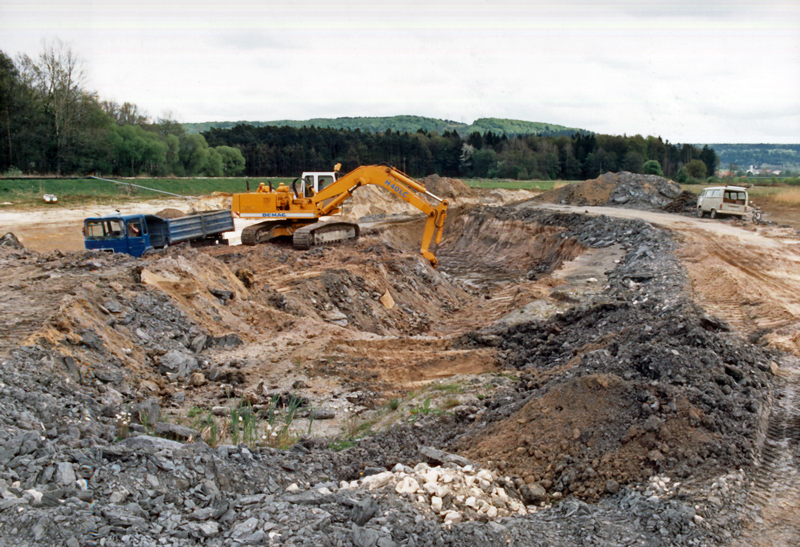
(455, 493)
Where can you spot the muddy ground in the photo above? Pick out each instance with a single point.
(569, 375)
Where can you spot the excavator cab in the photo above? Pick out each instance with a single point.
(312, 183)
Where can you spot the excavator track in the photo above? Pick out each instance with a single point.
(322, 233)
(267, 231)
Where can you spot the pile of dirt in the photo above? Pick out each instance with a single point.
(686, 202)
(170, 212)
(214, 202)
(372, 202)
(621, 189)
(447, 188)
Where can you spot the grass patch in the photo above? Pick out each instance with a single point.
(542, 185)
(338, 446)
(451, 402)
(28, 192)
(448, 388)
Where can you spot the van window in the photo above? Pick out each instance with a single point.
(732, 196)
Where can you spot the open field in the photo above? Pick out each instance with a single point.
(29, 192)
(542, 185)
(570, 374)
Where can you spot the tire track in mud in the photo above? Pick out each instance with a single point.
(752, 287)
(775, 495)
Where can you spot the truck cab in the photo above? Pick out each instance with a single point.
(723, 200)
(129, 234)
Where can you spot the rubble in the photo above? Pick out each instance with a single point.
(625, 189)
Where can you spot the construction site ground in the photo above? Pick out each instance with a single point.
(622, 376)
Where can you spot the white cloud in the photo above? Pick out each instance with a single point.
(719, 71)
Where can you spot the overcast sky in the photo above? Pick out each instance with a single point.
(689, 71)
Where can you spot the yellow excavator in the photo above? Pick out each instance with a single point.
(295, 210)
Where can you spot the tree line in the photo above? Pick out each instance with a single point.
(287, 151)
(51, 124)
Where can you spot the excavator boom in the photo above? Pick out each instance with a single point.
(396, 182)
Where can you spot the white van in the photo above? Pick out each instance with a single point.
(723, 200)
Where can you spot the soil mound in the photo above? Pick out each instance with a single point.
(621, 189)
(371, 200)
(686, 202)
(445, 187)
(214, 202)
(170, 213)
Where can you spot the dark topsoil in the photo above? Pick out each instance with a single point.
(636, 383)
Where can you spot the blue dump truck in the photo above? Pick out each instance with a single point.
(139, 234)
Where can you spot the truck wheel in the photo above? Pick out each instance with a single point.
(713, 213)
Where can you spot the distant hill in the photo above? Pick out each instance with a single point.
(768, 156)
(408, 124)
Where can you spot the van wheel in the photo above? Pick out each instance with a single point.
(700, 213)
(713, 213)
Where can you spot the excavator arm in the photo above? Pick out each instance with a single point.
(397, 182)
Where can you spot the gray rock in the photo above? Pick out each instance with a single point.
(11, 241)
(440, 456)
(309, 497)
(533, 493)
(363, 511)
(244, 528)
(177, 362)
(112, 306)
(198, 343)
(365, 537)
(227, 341)
(146, 442)
(177, 432)
(66, 475)
(209, 529)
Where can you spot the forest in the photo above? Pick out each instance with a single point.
(50, 124)
(287, 151)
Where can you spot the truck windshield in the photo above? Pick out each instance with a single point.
(104, 229)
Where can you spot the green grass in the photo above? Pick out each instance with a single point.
(338, 446)
(448, 388)
(28, 192)
(512, 184)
